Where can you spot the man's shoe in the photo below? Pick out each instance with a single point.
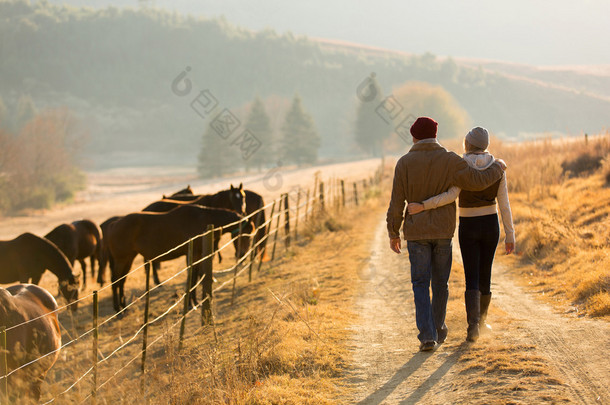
(427, 346)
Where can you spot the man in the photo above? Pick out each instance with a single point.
(426, 170)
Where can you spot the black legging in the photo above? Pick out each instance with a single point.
(479, 238)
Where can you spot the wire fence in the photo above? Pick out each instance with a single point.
(82, 352)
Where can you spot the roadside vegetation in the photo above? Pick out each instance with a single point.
(560, 196)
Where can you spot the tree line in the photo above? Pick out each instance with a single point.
(114, 67)
(298, 142)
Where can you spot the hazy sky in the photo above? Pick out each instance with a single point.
(547, 32)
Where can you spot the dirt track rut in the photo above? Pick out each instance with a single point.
(388, 368)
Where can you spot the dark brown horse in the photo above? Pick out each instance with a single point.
(233, 199)
(104, 254)
(78, 240)
(152, 234)
(225, 199)
(255, 202)
(26, 257)
(25, 343)
(180, 193)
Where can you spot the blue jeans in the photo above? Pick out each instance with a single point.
(430, 265)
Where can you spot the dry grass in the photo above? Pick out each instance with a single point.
(561, 207)
(283, 340)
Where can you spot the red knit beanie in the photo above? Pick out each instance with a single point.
(423, 128)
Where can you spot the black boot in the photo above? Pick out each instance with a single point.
(485, 298)
(473, 298)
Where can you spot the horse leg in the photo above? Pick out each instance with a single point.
(156, 266)
(115, 296)
(216, 242)
(122, 292)
(83, 272)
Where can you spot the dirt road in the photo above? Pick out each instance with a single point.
(534, 354)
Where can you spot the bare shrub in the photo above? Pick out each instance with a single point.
(40, 165)
(583, 164)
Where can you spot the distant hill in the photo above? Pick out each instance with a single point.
(114, 67)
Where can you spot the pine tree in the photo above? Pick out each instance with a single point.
(259, 124)
(301, 140)
(217, 157)
(372, 125)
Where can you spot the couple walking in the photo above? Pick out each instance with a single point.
(430, 178)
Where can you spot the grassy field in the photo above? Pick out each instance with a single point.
(285, 339)
(560, 197)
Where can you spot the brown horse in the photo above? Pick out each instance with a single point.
(184, 192)
(25, 343)
(152, 234)
(231, 198)
(78, 240)
(26, 257)
(104, 254)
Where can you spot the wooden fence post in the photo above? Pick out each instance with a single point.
(296, 217)
(355, 193)
(4, 364)
(322, 196)
(146, 311)
(95, 341)
(342, 193)
(252, 251)
(277, 228)
(188, 292)
(287, 223)
(307, 205)
(208, 277)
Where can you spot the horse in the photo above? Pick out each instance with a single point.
(233, 199)
(230, 199)
(26, 257)
(78, 240)
(152, 234)
(184, 192)
(39, 337)
(255, 202)
(104, 254)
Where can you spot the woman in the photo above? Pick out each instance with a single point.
(479, 231)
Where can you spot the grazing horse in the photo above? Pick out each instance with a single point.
(22, 303)
(152, 234)
(180, 193)
(78, 240)
(27, 256)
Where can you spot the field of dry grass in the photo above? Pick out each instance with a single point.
(281, 340)
(560, 197)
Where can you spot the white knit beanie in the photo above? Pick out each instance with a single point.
(479, 137)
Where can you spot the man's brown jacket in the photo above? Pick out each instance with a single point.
(426, 170)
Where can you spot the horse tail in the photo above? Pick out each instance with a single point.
(49, 255)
